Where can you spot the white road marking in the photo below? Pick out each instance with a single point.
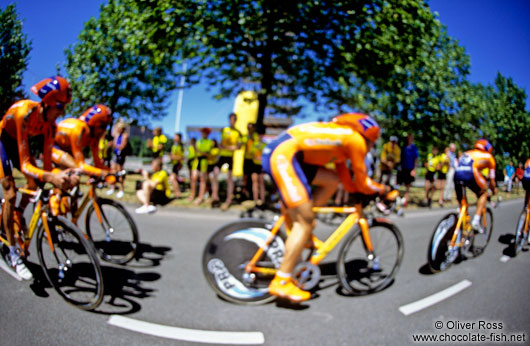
(435, 298)
(8, 270)
(505, 258)
(193, 335)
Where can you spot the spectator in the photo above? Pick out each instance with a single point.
(248, 164)
(409, 161)
(230, 142)
(431, 166)
(390, 158)
(257, 174)
(192, 168)
(441, 173)
(154, 189)
(519, 175)
(213, 172)
(105, 148)
(449, 182)
(177, 159)
(121, 147)
(158, 143)
(509, 174)
(204, 146)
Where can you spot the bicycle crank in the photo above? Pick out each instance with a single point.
(306, 275)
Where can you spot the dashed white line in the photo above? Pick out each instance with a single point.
(193, 335)
(434, 299)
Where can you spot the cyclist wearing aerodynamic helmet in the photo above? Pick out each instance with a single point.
(295, 160)
(23, 120)
(74, 135)
(468, 174)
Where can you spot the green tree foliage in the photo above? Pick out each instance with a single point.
(116, 61)
(14, 53)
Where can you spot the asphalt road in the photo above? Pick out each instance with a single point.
(165, 287)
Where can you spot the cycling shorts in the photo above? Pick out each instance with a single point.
(8, 145)
(461, 184)
(526, 184)
(285, 164)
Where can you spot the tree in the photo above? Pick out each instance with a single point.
(116, 62)
(14, 53)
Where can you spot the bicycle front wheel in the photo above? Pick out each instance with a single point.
(520, 234)
(70, 264)
(227, 253)
(481, 240)
(115, 235)
(361, 272)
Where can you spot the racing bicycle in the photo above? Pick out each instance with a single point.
(454, 237)
(241, 258)
(68, 259)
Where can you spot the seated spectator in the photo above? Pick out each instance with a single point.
(154, 189)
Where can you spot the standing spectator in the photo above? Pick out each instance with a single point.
(213, 172)
(204, 146)
(431, 166)
(248, 164)
(441, 173)
(509, 174)
(120, 145)
(158, 143)
(390, 158)
(155, 189)
(409, 161)
(449, 182)
(230, 142)
(177, 159)
(519, 175)
(105, 148)
(192, 168)
(257, 174)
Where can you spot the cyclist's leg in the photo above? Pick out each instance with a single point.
(327, 182)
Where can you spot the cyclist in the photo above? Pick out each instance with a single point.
(526, 183)
(74, 135)
(24, 120)
(296, 159)
(468, 174)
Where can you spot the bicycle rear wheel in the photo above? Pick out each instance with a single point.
(71, 267)
(481, 240)
(362, 273)
(520, 234)
(116, 236)
(439, 255)
(229, 250)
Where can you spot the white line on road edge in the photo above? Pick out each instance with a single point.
(8, 270)
(505, 258)
(204, 336)
(435, 298)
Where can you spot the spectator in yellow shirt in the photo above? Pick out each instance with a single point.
(158, 143)
(155, 189)
(431, 165)
(441, 173)
(177, 159)
(230, 142)
(390, 158)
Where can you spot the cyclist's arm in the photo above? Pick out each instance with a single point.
(363, 183)
(26, 165)
(98, 162)
(62, 158)
(77, 152)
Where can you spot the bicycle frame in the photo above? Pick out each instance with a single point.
(323, 249)
(464, 224)
(39, 214)
(89, 196)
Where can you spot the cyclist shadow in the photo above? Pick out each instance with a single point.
(123, 288)
(148, 255)
(508, 239)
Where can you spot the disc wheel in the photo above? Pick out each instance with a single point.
(227, 253)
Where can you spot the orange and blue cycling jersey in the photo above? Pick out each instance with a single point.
(469, 167)
(72, 136)
(23, 120)
(293, 157)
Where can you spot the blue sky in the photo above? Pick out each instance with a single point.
(495, 33)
